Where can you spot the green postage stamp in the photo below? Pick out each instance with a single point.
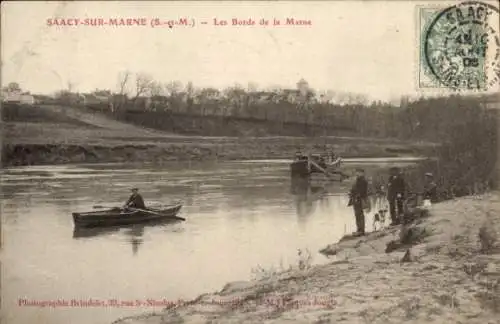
(459, 46)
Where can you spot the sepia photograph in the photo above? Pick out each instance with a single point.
(250, 162)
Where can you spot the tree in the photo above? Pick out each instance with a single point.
(143, 84)
(209, 93)
(234, 91)
(361, 99)
(404, 101)
(173, 87)
(13, 86)
(102, 92)
(190, 89)
(123, 79)
(156, 89)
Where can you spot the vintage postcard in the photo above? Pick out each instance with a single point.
(250, 162)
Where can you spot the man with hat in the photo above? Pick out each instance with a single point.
(135, 200)
(396, 195)
(357, 197)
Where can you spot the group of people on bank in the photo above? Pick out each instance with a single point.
(396, 194)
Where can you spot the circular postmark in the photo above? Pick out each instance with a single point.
(462, 46)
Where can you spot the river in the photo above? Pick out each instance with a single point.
(239, 216)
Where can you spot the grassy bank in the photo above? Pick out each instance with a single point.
(442, 268)
(55, 135)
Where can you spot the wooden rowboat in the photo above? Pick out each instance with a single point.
(118, 216)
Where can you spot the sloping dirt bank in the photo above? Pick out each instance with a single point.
(448, 271)
(44, 154)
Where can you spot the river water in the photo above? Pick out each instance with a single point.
(239, 216)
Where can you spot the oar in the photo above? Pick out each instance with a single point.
(106, 207)
(153, 213)
(116, 207)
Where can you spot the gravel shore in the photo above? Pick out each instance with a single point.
(444, 267)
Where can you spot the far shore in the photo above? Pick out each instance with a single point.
(62, 135)
(43, 154)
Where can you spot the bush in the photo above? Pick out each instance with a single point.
(487, 236)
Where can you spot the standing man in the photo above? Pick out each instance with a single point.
(395, 195)
(357, 198)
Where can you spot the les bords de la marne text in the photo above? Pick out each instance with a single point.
(188, 22)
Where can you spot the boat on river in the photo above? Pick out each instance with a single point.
(119, 216)
(305, 165)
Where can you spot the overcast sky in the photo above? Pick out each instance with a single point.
(365, 47)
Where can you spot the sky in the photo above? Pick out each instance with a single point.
(368, 47)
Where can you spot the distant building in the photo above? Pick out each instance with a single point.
(183, 96)
(16, 96)
(68, 98)
(11, 96)
(208, 94)
(159, 102)
(262, 96)
(118, 99)
(92, 99)
(42, 99)
(142, 103)
(290, 95)
(27, 99)
(303, 87)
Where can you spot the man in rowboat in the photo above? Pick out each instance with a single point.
(135, 200)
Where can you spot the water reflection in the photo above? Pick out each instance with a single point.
(133, 233)
(306, 195)
(135, 237)
(79, 233)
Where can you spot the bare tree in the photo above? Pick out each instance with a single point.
(404, 101)
(143, 84)
(173, 87)
(190, 89)
(156, 89)
(123, 79)
(361, 99)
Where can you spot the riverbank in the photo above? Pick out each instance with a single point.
(444, 267)
(198, 150)
(60, 135)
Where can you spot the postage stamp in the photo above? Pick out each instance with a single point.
(459, 46)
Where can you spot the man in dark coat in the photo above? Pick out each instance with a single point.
(396, 195)
(135, 200)
(357, 195)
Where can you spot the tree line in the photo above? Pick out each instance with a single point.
(466, 126)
